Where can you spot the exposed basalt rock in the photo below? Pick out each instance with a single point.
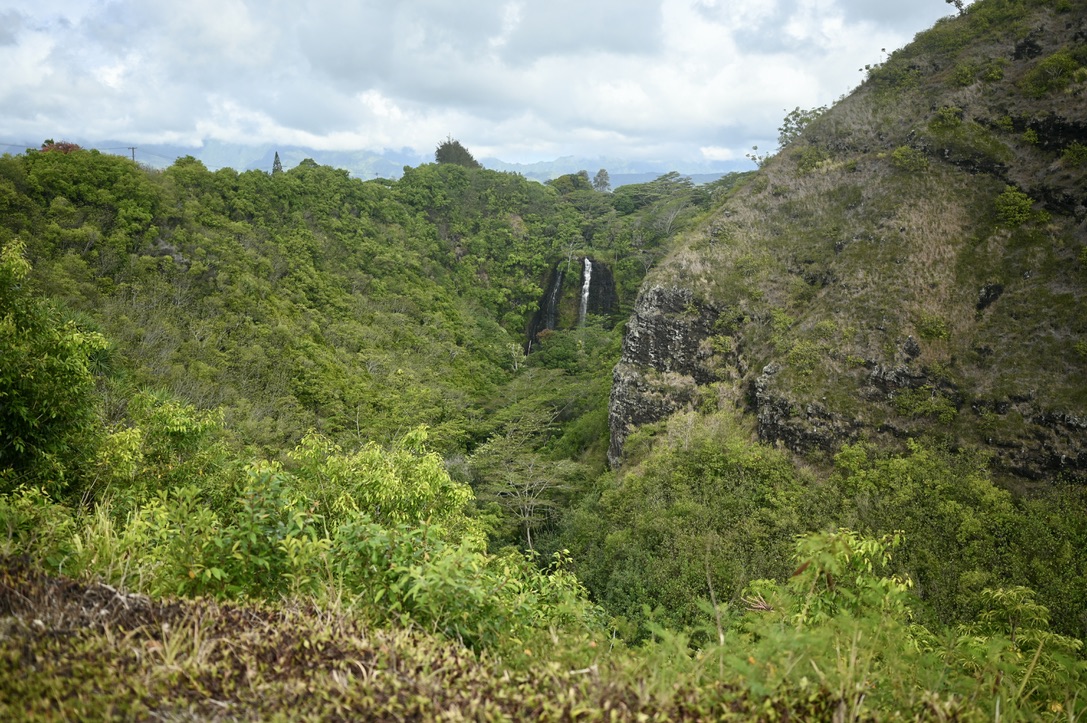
(992, 406)
(1027, 48)
(988, 294)
(547, 311)
(1056, 442)
(1055, 133)
(639, 398)
(888, 379)
(662, 345)
(665, 362)
(801, 429)
(603, 300)
(973, 162)
(1061, 444)
(1061, 200)
(665, 332)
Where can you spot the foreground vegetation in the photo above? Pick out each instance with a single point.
(834, 642)
(343, 583)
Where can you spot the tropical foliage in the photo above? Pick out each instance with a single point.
(277, 444)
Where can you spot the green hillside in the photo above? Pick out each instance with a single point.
(804, 443)
(883, 329)
(911, 264)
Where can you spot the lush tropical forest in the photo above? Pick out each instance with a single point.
(805, 443)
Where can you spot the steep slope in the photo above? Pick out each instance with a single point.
(913, 263)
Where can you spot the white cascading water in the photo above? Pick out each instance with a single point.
(587, 276)
(551, 313)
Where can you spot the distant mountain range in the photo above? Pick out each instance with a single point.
(390, 163)
(620, 172)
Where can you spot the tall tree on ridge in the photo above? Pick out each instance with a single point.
(601, 181)
(451, 151)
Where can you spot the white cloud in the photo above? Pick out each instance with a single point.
(717, 153)
(517, 79)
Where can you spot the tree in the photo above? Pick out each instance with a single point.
(451, 151)
(601, 181)
(518, 478)
(49, 145)
(277, 167)
(794, 124)
(572, 182)
(47, 403)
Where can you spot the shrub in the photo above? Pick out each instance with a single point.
(795, 122)
(804, 357)
(994, 70)
(896, 75)
(1052, 74)
(965, 74)
(32, 524)
(931, 326)
(925, 402)
(48, 425)
(1013, 207)
(909, 159)
(946, 118)
(1075, 155)
(810, 158)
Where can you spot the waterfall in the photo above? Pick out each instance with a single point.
(551, 311)
(587, 276)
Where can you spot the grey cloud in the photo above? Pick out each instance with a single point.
(764, 36)
(916, 13)
(377, 44)
(308, 107)
(11, 23)
(562, 27)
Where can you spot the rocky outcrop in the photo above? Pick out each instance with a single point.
(663, 361)
(667, 360)
(603, 299)
(547, 311)
(1055, 445)
(915, 273)
(801, 428)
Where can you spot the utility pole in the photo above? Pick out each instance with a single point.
(133, 149)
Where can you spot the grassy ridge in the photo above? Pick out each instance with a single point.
(911, 263)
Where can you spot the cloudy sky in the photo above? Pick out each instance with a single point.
(520, 80)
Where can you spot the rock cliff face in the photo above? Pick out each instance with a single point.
(668, 361)
(913, 265)
(664, 361)
(603, 299)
